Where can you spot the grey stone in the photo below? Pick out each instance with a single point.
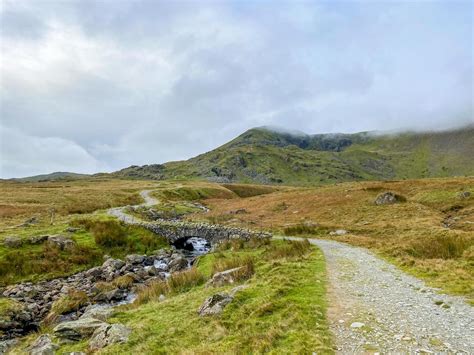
(387, 198)
(113, 264)
(214, 304)
(109, 334)
(135, 259)
(62, 242)
(224, 277)
(43, 345)
(38, 239)
(78, 329)
(13, 242)
(72, 230)
(178, 264)
(98, 312)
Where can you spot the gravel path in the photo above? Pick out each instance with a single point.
(376, 308)
(119, 212)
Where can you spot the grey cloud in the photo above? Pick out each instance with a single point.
(135, 82)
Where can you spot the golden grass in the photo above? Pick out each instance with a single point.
(176, 283)
(19, 201)
(410, 233)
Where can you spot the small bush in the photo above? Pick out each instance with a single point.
(300, 229)
(176, 283)
(49, 260)
(289, 249)
(109, 233)
(183, 281)
(123, 282)
(151, 292)
(441, 246)
(71, 302)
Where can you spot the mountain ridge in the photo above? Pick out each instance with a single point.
(267, 155)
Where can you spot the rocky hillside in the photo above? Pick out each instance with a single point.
(262, 155)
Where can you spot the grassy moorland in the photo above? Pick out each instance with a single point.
(78, 204)
(430, 235)
(20, 201)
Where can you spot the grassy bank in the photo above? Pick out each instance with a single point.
(282, 310)
(96, 237)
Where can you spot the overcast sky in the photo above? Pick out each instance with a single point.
(90, 86)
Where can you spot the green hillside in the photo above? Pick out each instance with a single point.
(262, 155)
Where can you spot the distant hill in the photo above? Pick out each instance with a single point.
(264, 155)
(59, 175)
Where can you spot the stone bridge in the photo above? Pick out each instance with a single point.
(175, 231)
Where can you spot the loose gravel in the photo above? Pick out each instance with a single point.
(377, 308)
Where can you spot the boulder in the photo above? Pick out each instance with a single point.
(135, 259)
(43, 345)
(38, 239)
(109, 334)
(464, 195)
(72, 230)
(5, 345)
(77, 329)
(215, 304)
(178, 264)
(98, 312)
(224, 277)
(387, 198)
(62, 242)
(113, 295)
(113, 264)
(95, 273)
(13, 242)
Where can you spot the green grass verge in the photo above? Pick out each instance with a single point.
(283, 310)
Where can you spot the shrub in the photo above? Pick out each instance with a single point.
(440, 246)
(183, 281)
(300, 229)
(46, 261)
(176, 283)
(289, 249)
(151, 292)
(109, 233)
(71, 302)
(124, 281)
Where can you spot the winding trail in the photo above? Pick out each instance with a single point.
(122, 215)
(377, 308)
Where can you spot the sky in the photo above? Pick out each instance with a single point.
(89, 86)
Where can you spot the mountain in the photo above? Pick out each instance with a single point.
(265, 155)
(59, 175)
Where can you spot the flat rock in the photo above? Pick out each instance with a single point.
(223, 277)
(109, 334)
(98, 312)
(13, 242)
(43, 345)
(78, 329)
(135, 259)
(215, 304)
(62, 242)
